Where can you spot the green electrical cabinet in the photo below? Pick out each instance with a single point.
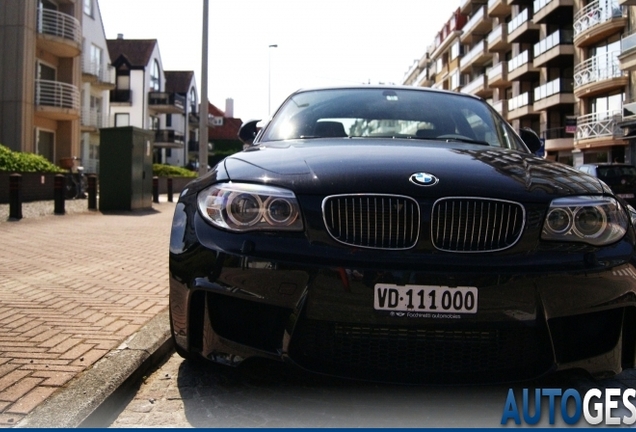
(125, 168)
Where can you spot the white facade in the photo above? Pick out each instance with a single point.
(98, 78)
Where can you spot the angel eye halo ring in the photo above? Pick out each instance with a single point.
(250, 207)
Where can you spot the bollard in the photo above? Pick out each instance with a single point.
(92, 192)
(169, 189)
(58, 194)
(15, 196)
(155, 189)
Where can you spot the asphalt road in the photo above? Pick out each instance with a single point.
(268, 394)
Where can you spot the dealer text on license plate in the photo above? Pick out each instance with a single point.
(425, 298)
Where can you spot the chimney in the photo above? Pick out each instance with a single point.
(120, 35)
(229, 108)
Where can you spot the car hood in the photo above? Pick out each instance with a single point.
(385, 166)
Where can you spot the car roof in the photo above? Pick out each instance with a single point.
(387, 87)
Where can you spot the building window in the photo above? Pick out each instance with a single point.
(45, 144)
(168, 120)
(154, 122)
(193, 101)
(96, 54)
(88, 8)
(122, 119)
(155, 83)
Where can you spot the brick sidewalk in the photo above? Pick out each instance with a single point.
(72, 288)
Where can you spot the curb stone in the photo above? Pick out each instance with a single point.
(83, 395)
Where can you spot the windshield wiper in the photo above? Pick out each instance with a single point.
(450, 138)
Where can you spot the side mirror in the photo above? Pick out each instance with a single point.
(531, 139)
(248, 131)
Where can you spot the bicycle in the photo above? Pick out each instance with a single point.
(76, 182)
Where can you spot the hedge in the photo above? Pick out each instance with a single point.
(19, 162)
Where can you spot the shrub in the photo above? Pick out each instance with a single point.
(160, 170)
(13, 161)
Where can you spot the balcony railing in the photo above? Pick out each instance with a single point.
(520, 101)
(163, 98)
(104, 73)
(596, 13)
(598, 68)
(93, 118)
(495, 71)
(121, 96)
(628, 42)
(557, 38)
(59, 24)
(558, 85)
(598, 125)
(495, 34)
(474, 20)
(474, 85)
(555, 133)
(518, 61)
(500, 106)
(518, 21)
(476, 51)
(56, 94)
(540, 4)
(168, 136)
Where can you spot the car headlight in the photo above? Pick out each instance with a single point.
(248, 207)
(588, 219)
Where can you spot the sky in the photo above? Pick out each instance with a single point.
(319, 42)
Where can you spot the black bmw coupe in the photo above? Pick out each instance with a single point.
(402, 234)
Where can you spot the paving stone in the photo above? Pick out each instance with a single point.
(66, 284)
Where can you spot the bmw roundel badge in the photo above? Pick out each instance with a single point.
(423, 179)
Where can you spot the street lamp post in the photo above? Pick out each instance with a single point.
(269, 79)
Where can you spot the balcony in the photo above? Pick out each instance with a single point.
(193, 118)
(168, 138)
(557, 139)
(597, 21)
(627, 58)
(520, 68)
(501, 107)
(520, 106)
(498, 75)
(498, 39)
(598, 74)
(58, 33)
(627, 2)
(92, 119)
(478, 87)
(121, 97)
(599, 126)
(57, 100)
(522, 29)
(553, 11)
(477, 56)
(477, 26)
(423, 79)
(556, 92)
(498, 8)
(100, 76)
(556, 50)
(167, 103)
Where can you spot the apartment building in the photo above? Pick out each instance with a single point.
(98, 78)
(40, 76)
(185, 124)
(140, 98)
(560, 67)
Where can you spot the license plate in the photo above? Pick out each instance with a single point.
(626, 195)
(425, 298)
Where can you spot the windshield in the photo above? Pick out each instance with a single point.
(389, 113)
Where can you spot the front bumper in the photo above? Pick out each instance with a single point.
(234, 307)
